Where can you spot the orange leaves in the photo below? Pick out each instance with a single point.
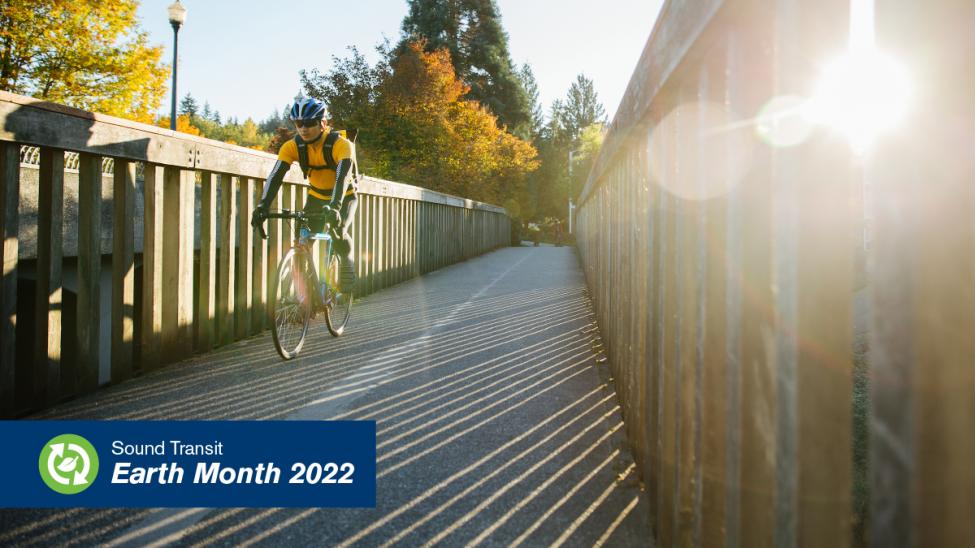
(437, 139)
(183, 124)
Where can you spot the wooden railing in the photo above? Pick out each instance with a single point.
(777, 390)
(186, 268)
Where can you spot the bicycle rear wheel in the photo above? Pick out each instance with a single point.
(291, 303)
(339, 300)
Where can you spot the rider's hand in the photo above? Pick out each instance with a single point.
(331, 216)
(258, 217)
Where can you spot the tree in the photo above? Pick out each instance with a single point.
(189, 106)
(443, 140)
(470, 30)
(350, 88)
(88, 54)
(580, 109)
(575, 126)
(537, 122)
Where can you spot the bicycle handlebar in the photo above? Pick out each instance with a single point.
(288, 214)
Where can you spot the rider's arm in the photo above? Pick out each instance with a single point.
(273, 183)
(286, 156)
(342, 154)
(341, 183)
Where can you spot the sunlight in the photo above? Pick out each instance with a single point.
(861, 94)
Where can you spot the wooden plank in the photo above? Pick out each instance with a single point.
(9, 244)
(89, 271)
(667, 384)
(714, 373)
(187, 205)
(123, 269)
(757, 385)
(49, 292)
(244, 282)
(227, 260)
(358, 248)
(152, 268)
(373, 239)
(177, 286)
(274, 248)
(259, 289)
(654, 222)
(206, 300)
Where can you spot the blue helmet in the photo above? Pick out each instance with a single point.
(307, 108)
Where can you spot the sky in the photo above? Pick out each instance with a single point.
(243, 57)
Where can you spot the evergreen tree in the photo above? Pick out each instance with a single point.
(189, 106)
(207, 113)
(580, 109)
(527, 77)
(470, 30)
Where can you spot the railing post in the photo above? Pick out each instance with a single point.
(49, 301)
(227, 261)
(206, 301)
(152, 268)
(123, 269)
(177, 308)
(259, 296)
(89, 272)
(245, 259)
(9, 240)
(274, 252)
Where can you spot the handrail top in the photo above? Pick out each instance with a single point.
(27, 120)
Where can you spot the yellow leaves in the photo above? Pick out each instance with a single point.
(84, 53)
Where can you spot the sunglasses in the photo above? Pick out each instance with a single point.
(307, 123)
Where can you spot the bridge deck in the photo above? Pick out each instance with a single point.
(494, 423)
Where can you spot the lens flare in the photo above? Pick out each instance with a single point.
(781, 122)
(862, 95)
(700, 150)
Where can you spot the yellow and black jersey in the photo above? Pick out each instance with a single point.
(321, 179)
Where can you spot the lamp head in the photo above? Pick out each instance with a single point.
(177, 14)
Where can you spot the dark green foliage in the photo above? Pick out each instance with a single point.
(189, 106)
(537, 121)
(471, 32)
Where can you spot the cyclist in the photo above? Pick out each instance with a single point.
(332, 196)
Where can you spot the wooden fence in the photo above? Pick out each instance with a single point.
(199, 277)
(778, 390)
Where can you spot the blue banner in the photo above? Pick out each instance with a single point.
(188, 464)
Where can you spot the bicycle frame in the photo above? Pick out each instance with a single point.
(306, 240)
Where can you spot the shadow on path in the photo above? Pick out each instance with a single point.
(494, 423)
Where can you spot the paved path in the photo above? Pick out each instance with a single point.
(495, 425)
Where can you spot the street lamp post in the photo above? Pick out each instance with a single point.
(572, 206)
(177, 15)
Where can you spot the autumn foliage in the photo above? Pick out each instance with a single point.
(420, 129)
(88, 54)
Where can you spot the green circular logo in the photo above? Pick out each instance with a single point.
(68, 464)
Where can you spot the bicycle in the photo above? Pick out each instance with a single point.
(297, 293)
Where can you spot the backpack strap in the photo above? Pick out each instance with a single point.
(326, 152)
(302, 155)
(327, 149)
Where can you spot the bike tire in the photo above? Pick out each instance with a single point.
(339, 309)
(290, 312)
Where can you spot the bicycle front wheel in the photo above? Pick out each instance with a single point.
(339, 300)
(291, 303)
